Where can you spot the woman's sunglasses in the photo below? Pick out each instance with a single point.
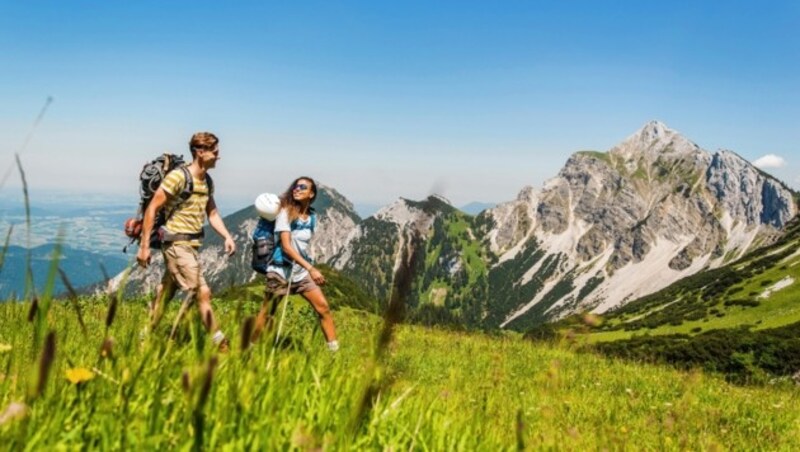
(300, 187)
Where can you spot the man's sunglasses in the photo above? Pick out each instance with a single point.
(214, 151)
(300, 187)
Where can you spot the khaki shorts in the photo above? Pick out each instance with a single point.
(276, 285)
(183, 267)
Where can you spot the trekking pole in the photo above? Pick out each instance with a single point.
(184, 305)
(283, 316)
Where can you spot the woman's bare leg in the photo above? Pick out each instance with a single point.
(320, 304)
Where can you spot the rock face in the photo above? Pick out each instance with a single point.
(373, 254)
(625, 223)
(610, 227)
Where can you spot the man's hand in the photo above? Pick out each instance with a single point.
(317, 276)
(143, 256)
(230, 246)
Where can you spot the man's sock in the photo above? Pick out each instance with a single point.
(333, 345)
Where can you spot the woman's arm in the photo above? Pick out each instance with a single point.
(291, 253)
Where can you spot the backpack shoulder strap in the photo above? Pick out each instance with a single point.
(210, 184)
(188, 187)
(312, 223)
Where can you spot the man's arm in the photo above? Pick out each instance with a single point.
(158, 201)
(215, 220)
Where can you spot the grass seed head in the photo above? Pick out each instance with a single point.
(46, 361)
(34, 309)
(107, 349)
(247, 331)
(112, 310)
(205, 390)
(186, 382)
(73, 300)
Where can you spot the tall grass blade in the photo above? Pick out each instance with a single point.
(127, 393)
(520, 430)
(187, 301)
(198, 418)
(46, 300)
(103, 270)
(395, 311)
(36, 123)
(280, 323)
(73, 300)
(205, 389)
(5, 247)
(29, 286)
(401, 289)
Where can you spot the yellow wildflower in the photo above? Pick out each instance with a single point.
(79, 375)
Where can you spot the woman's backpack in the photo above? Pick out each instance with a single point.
(266, 244)
(263, 245)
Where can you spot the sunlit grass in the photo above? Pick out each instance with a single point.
(438, 390)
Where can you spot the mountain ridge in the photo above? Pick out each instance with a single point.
(609, 227)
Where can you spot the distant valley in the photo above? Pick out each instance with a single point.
(81, 267)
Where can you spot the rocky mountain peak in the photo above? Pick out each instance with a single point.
(401, 212)
(744, 191)
(655, 139)
(528, 193)
(405, 211)
(335, 196)
(440, 198)
(329, 199)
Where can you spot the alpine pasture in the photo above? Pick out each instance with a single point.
(81, 374)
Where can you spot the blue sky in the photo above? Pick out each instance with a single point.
(470, 99)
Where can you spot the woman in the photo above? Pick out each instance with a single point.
(295, 225)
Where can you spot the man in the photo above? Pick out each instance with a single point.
(183, 231)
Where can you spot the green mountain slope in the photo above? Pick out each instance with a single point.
(741, 320)
(760, 290)
(448, 260)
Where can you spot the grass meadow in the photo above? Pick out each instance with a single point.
(81, 375)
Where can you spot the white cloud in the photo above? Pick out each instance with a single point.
(770, 161)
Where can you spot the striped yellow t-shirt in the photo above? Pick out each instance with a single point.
(185, 217)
